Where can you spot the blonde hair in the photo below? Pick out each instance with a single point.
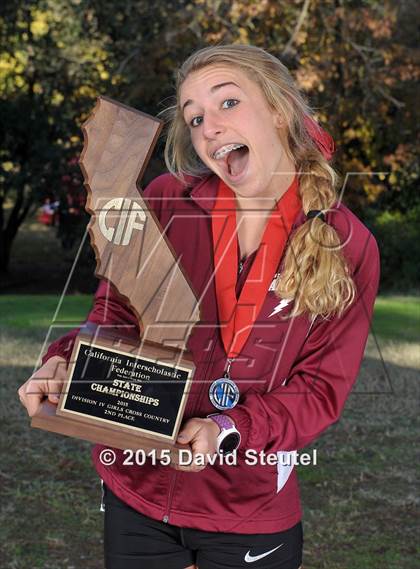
(315, 273)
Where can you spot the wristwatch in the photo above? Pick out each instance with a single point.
(229, 437)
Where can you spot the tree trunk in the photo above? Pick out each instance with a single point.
(9, 229)
(4, 253)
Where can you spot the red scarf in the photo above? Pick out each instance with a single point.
(237, 317)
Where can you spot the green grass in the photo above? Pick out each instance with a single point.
(397, 317)
(35, 311)
(394, 316)
(49, 491)
(360, 502)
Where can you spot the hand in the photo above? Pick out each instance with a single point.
(201, 436)
(47, 381)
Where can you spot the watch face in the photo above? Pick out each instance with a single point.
(230, 443)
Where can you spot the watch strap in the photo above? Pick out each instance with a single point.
(229, 437)
(223, 421)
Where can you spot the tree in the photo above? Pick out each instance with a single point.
(356, 60)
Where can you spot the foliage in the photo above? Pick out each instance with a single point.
(50, 70)
(399, 238)
(356, 60)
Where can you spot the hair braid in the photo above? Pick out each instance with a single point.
(315, 272)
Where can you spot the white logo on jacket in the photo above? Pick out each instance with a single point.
(282, 304)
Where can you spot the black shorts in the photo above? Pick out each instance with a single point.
(135, 541)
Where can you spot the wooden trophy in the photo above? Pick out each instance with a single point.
(119, 392)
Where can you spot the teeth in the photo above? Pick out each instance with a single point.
(226, 149)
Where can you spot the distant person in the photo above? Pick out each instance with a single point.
(47, 212)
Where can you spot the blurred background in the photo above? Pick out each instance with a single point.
(358, 63)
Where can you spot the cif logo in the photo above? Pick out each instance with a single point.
(131, 217)
(224, 393)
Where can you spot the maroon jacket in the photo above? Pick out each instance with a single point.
(294, 376)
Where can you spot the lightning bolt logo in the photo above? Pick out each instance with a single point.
(282, 304)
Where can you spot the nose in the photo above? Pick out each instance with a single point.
(212, 125)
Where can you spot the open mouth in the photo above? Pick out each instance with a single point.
(234, 158)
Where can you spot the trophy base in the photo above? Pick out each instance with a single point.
(127, 397)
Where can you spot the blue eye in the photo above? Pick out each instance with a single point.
(192, 121)
(228, 107)
(236, 101)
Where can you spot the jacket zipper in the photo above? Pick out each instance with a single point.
(165, 518)
(173, 482)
